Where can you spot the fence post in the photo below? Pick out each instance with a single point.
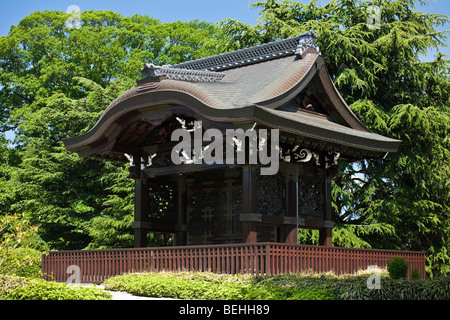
(268, 259)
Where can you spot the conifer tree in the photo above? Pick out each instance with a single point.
(402, 201)
(55, 82)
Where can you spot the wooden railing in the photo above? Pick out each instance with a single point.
(95, 266)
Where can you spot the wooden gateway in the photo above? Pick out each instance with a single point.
(277, 90)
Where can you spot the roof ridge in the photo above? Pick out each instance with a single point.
(173, 73)
(290, 46)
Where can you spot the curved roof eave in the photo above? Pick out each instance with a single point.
(246, 93)
(160, 104)
(331, 133)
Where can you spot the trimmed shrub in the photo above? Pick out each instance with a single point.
(397, 268)
(210, 286)
(172, 286)
(415, 274)
(293, 293)
(20, 288)
(22, 262)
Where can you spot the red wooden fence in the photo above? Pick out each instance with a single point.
(95, 266)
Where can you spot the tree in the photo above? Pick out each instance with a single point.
(41, 56)
(402, 201)
(55, 82)
(3, 170)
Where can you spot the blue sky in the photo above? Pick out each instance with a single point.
(12, 11)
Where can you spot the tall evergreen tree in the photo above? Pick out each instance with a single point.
(55, 81)
(373, 50)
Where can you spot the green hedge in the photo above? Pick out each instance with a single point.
(390, 289)
(178, 287)
(211, 286)
(20, 288)
(397, 268)
(23, 262)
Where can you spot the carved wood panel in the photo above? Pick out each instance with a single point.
(270, 193)
(214, 209)
(311, 196)
(162, 202)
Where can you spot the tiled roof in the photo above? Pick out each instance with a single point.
(251, 84)
(264, 52)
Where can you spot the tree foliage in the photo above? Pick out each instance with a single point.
(402, 201)
(55, 82)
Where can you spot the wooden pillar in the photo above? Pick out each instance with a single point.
(249, 201)
(141, 198)
(181, 227)
(290, 226)
(326, 234)
(326, 237)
